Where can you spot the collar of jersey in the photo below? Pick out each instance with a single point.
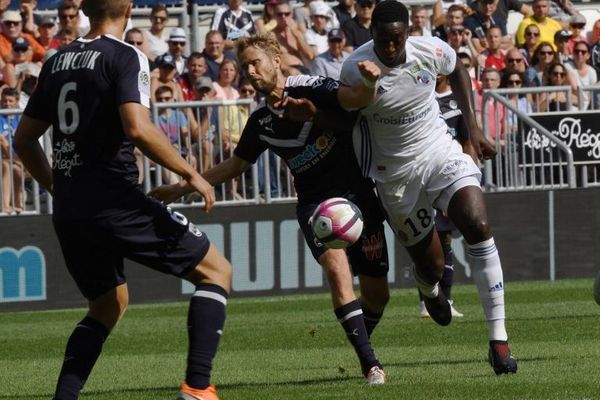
(81, 39)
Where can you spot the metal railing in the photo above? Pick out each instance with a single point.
(529, 156)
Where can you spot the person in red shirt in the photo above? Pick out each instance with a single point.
(47, 34)
(196, 67)
(493, 56)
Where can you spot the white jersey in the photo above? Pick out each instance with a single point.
(401, 129)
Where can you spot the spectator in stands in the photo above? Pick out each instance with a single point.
(316, 35)
(157, 35)
(581, 71)
(68, 17)
(414, 30)
(196, 67)
(490, 79)
(26, 71)
(556, 75)
(344, 11)
(467, 61)
(4, 5)
(136, 38)
(329, 63)
(561, 43)
(543, 55)
(11, 29)
(267, 22)
(595, 56)
(516, 62)
(577, 25)
(482, 20)
(561, 11)
(214, 53)
(419, 18)
(493, 56)
(177, 42)
(84, 22)
(358, 29)
(595, 33)
(540, 18)
(454, 16)
(8, 77)
(225, 85)
(174, 125)
(301, 15)
(65, 37)
(295, 51)
(167, 74)
(209, 121)
(504, 6)
(31, 20)
(233, 21)
(513, 79)
(47, 33)
(532, 38)
(11, 165)
(460, 40)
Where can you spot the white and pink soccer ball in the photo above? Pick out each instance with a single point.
(337, 223)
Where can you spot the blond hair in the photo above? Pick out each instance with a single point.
(264, 41)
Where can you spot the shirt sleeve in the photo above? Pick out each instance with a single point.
(350, 75)
(133, 78)
(250, 146)
(444, 57)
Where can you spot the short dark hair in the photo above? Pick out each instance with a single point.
(390, 11)
(157, 8)
(163, 89)
(10, 92)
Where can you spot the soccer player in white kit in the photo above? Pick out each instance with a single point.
(402, 142)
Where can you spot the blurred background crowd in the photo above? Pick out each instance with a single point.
(508, 44)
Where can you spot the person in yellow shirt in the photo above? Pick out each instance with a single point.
(548, 26)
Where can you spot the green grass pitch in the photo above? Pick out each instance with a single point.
(292, 348)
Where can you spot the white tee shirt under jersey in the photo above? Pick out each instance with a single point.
(401, 129)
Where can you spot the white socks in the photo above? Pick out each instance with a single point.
(487, 273)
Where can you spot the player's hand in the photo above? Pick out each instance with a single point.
(482, 147)
(199, 184)
(299, 110)
(169, 193)
(369, 71)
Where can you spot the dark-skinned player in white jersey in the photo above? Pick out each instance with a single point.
(404, 145)
(320, 156)
(95, 96)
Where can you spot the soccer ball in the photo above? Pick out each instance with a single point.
(337, 223)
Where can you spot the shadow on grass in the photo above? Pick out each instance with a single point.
(171, 390)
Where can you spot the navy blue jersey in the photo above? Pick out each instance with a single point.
(323, 163)
(453, 116)
(79, 92)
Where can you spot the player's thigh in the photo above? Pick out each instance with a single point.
(467, 208)
(95, 267)
(214, 268)
(408, 208)
(303, 213)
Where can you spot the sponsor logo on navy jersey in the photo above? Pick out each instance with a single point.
(314, 152)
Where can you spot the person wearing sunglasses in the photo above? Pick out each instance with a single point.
(296, 52)
(543, 55)
(581, 70)
(514, 79)
(532, 38)
(577, 27)
(357, 30)
(157, 35)
(556, 75)
(12, 28)
(546, 25)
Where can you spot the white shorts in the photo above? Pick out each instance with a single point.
(410, 205)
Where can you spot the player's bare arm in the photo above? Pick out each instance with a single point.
(460, 82)
(31, 153)
(139, 128)
(361, 94)
(222, 172)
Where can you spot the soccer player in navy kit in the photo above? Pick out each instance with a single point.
(323, 165)
(95, 95)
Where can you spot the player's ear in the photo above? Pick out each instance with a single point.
(129, 8)
(277, 60)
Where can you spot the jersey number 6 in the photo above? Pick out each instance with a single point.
(65, 107)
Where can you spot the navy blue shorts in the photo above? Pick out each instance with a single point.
(369, 255)
(144, 231)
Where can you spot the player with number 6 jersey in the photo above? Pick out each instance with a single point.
(95, 95)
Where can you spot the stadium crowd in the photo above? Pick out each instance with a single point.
(550, 47)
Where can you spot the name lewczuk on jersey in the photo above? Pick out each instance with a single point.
(72, 61)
